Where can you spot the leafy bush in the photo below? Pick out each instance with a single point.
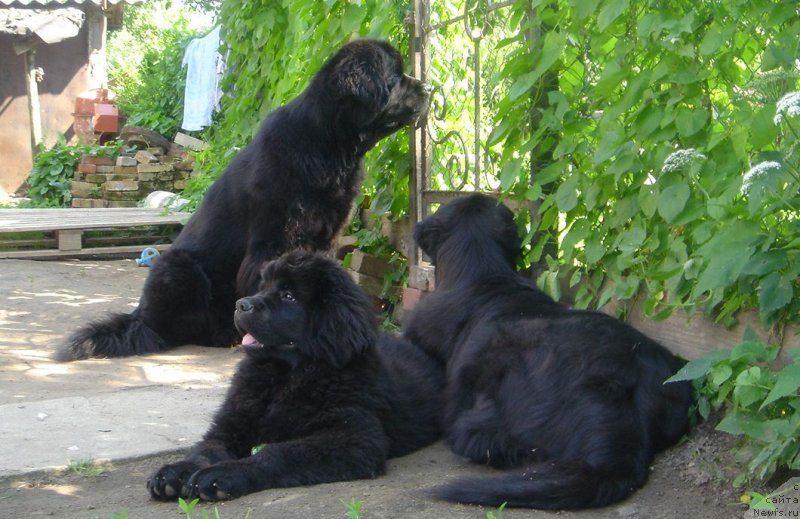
(145, 66)
(657, 114)
(53, 169)
(761, 403)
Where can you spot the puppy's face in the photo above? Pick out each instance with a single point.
(273, 323)
(308, 308)
(367, 76)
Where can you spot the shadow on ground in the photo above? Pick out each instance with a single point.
(135, 414)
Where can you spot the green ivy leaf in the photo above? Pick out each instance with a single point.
(352, 17)
(567, 194)
(552, 46)
(713, 40)
(726, 253)
(763, 263)
(720, 374)
(690, 121)
(762, 128)
(610, 12)
(775, 292)
(672, 200)
(787, 383)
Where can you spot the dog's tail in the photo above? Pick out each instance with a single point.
(556, 485)
(120, 335)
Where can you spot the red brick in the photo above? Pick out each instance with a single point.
(411, 296)
(87, 168)
(97, 161)
(87, 203)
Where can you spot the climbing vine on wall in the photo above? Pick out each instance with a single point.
(656, 137)
(661, 111)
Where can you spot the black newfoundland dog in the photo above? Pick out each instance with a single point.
(314, 392)
(572, 403)
(292, 187)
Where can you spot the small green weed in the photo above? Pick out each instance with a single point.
(86, 468)
(491, 515)
(353, 509)
(188, 507)
(761, 403)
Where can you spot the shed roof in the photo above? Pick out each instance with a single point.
(56, 3)
(51, 25)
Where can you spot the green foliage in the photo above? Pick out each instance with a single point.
(273, 49)
(353, 509)
(188, 507)
(145, 67)
(761, 403)
(491, 515)
(87, 468)
(627, 131)
(53, 169)
(659, 110)
(370, 240)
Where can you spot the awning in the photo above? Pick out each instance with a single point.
(54, 3)
(50, 25)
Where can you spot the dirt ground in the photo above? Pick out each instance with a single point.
(40, 302)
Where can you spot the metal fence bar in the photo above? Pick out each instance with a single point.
(455, 169)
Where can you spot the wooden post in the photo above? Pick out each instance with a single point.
(34, 109)
(419, 146)
(96, 25)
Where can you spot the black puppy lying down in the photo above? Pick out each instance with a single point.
(571, 402)
(314, 390)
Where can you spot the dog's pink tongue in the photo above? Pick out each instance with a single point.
(249, 340)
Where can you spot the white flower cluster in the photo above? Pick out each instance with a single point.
(761, 169)
(788, 105)
(679, 159)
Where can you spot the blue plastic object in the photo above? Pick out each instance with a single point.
(148, 255)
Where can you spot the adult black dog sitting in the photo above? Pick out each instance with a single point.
(291, 187)
(571, 402)
(314, 390)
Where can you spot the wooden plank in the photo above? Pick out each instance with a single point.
(692, 336)
(19, 220)
(41, 242)
(129, 250)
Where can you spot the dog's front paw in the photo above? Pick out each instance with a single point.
(220, 481)
(167, 482)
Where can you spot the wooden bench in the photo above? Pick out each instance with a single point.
(68, 226)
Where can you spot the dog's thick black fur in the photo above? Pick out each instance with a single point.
(292, 187)
(571, 403)
(314, 389)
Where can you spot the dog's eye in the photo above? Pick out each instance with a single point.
(285, 295)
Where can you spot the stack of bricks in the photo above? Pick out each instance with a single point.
(102, 182)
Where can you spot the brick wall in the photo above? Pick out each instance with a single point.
(102, 182)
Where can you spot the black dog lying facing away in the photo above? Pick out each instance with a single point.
(325, 402)
(571, 403)
(291, 187)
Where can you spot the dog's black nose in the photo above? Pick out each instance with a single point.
(427, 88)
(244, 305)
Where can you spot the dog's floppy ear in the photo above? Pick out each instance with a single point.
(343, 325)
(506, 235)
(428, 236)
(362, 79)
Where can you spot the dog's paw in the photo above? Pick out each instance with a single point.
(218, 482)
(167, 482)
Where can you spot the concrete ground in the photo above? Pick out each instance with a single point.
(132, 415)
